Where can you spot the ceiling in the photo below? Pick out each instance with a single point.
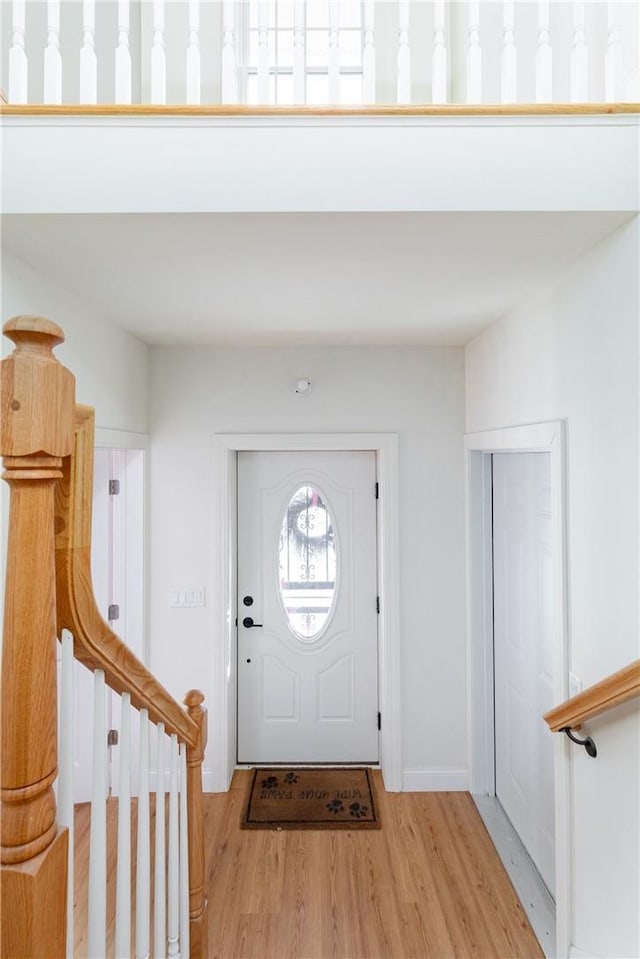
(304, 278)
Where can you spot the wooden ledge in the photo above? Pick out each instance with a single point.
(374, 110)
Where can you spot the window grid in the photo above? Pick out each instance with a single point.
(280, 41)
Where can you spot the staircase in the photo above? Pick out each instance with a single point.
(47, 448)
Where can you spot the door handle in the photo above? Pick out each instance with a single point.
(248, 622)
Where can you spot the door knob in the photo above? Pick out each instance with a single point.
(247, 622)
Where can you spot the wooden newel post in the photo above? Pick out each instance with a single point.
(36, 430)
(198, 925)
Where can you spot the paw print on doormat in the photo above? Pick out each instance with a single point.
(358, 811)
(270, 782)
(291, 778)
(335, 806)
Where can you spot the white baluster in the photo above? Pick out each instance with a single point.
(143, 855)
(173, 885)
(193, 53)
(98, 836)
(123, 877)
(65, 778)
(508, 71)
(579, 57)
(439, 73)
(334, 52)
(263, 52)
(158, 57)
(614, 58)
(474, 55)
(52, 58)
(299, 82)
(159, 889)
(184, 856)
(404, 53)
(229, 68)
(18, 66)
(123, 55)
(88, 59)
(369, 53)
(544, 56)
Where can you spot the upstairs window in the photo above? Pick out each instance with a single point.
(303, 52)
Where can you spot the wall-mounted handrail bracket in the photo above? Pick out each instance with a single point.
(588, 743)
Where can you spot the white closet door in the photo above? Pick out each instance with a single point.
(523, 650)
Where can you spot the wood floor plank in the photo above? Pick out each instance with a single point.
(428, 885)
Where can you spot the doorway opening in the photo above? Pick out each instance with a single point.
(501, 500)
(223, 724)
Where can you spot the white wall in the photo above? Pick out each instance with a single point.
(308, 164)
(573, 354)
(110, 366)
(417, 393)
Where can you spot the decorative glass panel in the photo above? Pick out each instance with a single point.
(307, 563)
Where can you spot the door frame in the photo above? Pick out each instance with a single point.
(223, 706)
(535, 438)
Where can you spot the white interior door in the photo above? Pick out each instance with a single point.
(307, 617)
(523, 638)
(117, 571)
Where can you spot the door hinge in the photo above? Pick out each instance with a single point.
(377, 490)
(377, 604)
(114, 487)
(113, 613)
(379, 720)
(112, 737)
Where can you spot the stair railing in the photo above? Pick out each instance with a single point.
(612, 691)
(47, 448)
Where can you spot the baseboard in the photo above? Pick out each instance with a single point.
(575, 953)
(435, 780)
(533, 894)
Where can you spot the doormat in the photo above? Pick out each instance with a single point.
(311, 799)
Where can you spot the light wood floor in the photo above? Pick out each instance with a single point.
(428, 885)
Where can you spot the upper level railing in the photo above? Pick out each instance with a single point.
(320, 52)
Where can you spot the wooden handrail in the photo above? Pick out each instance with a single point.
(609, 692)
(367, 110)
(95, 644)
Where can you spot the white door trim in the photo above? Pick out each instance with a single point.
(538, 437)
(223, 705)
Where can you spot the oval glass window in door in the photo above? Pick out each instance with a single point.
(307, 564)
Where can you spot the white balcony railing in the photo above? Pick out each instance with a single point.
(319, 52)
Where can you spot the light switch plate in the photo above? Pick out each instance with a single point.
(187, 597)
(575, 685)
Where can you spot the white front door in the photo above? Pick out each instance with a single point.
(307, 618)
(523, 615)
